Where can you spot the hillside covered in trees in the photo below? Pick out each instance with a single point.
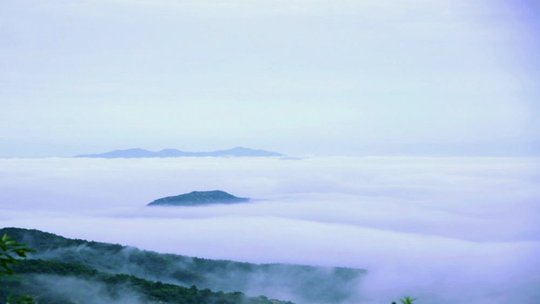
(65, 270)
(51, 282)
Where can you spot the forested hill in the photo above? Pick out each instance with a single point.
(199, 198)
(52, 282)
(297, 283)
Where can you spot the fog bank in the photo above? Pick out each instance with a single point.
(460, 230)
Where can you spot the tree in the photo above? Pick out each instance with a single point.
(407, 300)
(10, 252)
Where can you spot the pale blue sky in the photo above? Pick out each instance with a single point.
(296, 76)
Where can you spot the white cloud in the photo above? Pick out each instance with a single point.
(431, 227)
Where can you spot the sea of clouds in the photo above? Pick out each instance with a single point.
(442, 229)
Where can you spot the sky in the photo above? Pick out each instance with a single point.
(300, 77)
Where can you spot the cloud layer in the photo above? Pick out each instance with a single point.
(428, 227)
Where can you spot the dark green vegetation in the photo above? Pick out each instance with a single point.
(196, 198)
(407, 300)
(57, 283)
(10, 252)
(67, 270)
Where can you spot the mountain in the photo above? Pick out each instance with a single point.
(54, 282)
(141, 153)
(196, 198)
(63, 267)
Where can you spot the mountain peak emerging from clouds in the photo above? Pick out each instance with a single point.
(196, 198)
(141, 153)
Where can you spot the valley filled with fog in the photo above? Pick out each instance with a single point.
(442, 229)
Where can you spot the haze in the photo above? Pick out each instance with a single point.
(410, 128)
(300, 77)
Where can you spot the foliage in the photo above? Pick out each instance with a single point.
(407, 300)
(311, 284)
(20, 300)
(10, 252)
(33, 272)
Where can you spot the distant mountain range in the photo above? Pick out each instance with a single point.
(141, 153)
(197, 198)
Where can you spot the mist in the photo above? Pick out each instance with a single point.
(78, 290)
(444, 230)
(297, 283)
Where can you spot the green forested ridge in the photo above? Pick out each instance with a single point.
(306, 284)
(49, 282)
(196, 198)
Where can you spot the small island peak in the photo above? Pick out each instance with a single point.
(197, 198)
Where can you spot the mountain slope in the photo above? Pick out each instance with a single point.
(300, 284)
(53, 282)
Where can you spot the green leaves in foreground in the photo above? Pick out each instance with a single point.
(10, 252)
(407, 300)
